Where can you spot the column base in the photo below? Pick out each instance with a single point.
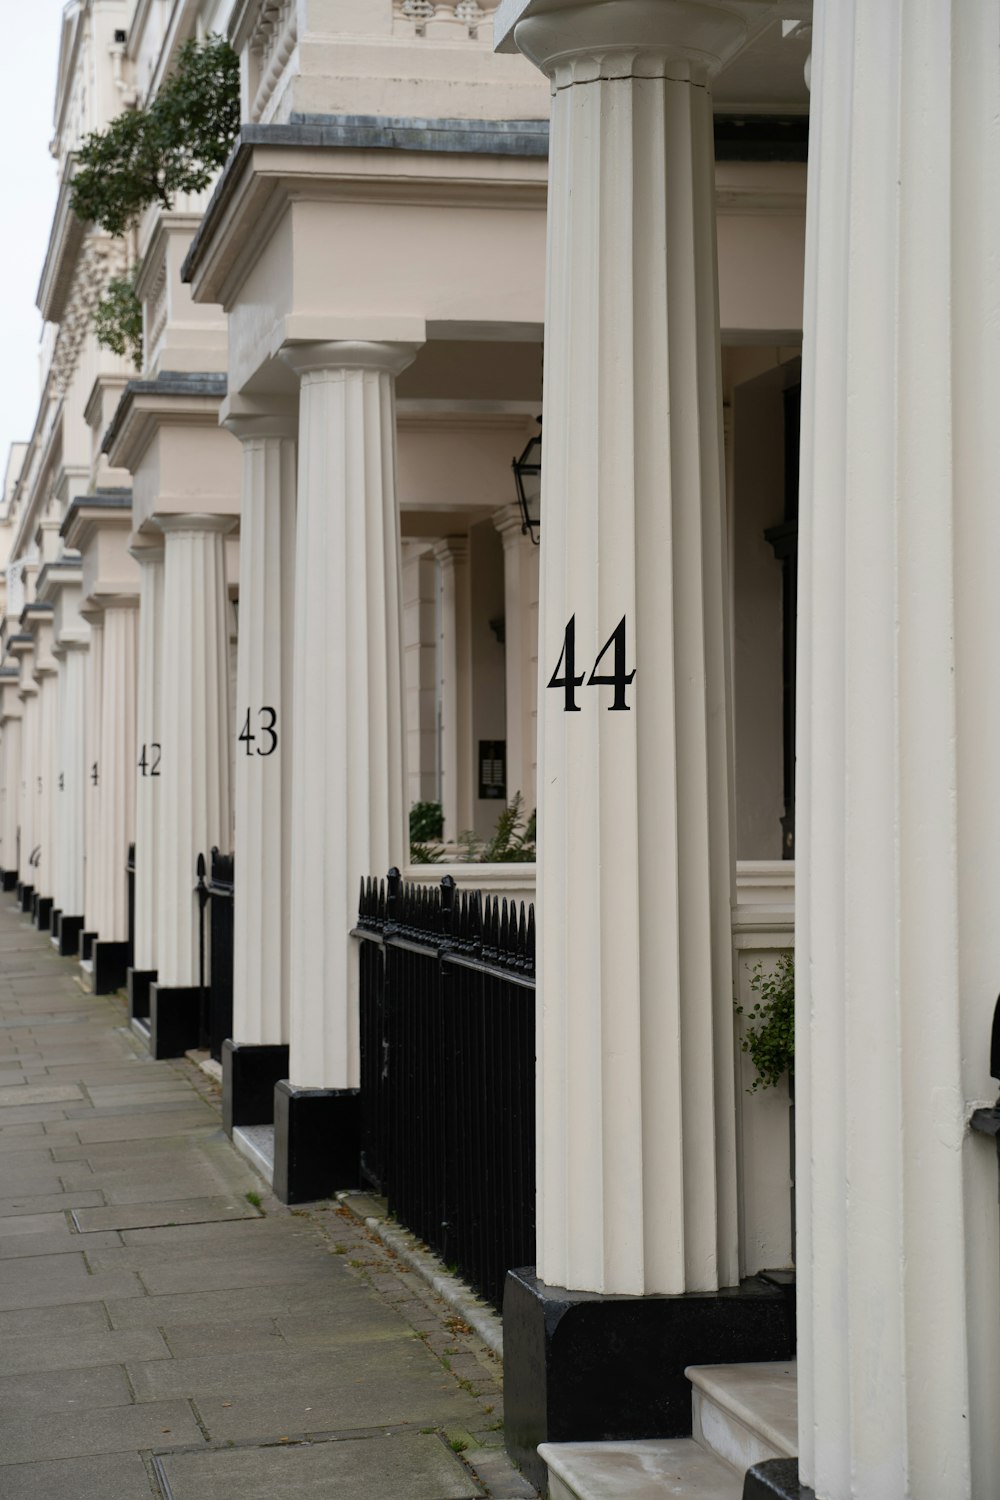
(43, 913)
(9, 879)
(69, 932)
(174, 1019)
(582, 1367)
(776, 1479)
(86, 946)
(55, 922)
(249, 1074)
(25, 896)
(110, 962)
(137, 983)
(317, 1142)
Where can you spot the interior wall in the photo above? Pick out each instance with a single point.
(488, 660)
(757, 499)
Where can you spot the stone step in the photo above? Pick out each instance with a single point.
(745, 1413)
(656, 1469)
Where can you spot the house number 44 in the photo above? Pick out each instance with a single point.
(565, 675)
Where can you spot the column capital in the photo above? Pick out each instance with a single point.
(584, 41)
(146, 555)
(331, 356)
(452, 549)
(246, 419)
(509, 522)
(195, 521)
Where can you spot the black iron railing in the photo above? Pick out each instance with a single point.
(217, 993)
(448, 1071)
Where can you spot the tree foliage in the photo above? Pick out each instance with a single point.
(175, 145)
(118, 318)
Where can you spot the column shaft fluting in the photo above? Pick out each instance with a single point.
(44, 771)
(12, 790)
(28, 795)
(637, 1185)
(150, 752)
(194, 793)
(262, 786)
(117, 768)
(456, 685)
(520, 565)
(347, 738)
(898, 815)
(71, 784)
(92, 768)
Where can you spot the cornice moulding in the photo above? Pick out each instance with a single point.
(65, 240)
(145, 405)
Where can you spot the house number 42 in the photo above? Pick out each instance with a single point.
(565, 675)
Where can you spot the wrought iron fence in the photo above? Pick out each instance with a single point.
(447, 1024)
(217, 995)
(130, 877)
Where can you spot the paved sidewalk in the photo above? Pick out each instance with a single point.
(163, 1336)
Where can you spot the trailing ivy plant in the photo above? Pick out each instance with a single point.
(118, 318)
(769, 1033)
(175, 145)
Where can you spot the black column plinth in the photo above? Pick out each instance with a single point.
(138, 982)
(582, 1367)
(776, 1479)
(43, 913)
(317, 1142)
(249, 1074)
(27, 896)
(70, 929)
(10, 880)
(174, 1019)
(86, 946)
(110, 962)
(55, 922)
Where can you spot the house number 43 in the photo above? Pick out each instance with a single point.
(565, 675)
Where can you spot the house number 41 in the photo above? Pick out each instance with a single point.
(565, 675)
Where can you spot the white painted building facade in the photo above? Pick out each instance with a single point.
(269, 591)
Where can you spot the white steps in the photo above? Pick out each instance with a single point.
(745, 1413)
(653, 1470)
(742, 1415)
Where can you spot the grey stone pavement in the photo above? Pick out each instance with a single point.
(163, 1336)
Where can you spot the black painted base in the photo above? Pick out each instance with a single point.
(86, 946)
(776, 1479)
(70, 929)
(137, 983)
(110, 962)
(174, 1019)
(9, 880)
(27, 893)
(55, 922)
(317, 1142)
(249, 1074)
(43, 913)
(581, 1367)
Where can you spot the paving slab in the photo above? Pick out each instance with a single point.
(177, 1211)
(24, 1093)
(117, 1429)
(111, 1476)
(19, 1246)
(55, 1350)
(63, 1390)
(403, 1467)
(43, 1203)
(48, 1280)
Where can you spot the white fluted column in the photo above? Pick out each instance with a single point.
(12, 723)
(71, 782)
(263, 786)
(46, 778)
(636, 1174)
(148, 762)
(520, 573)
(93, 688)
(29, 774)
(194, 793)
(117, 766)
(898, 816)
(347, 734)
(457, 755)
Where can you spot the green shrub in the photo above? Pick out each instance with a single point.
(426, 822)
(769, 1035)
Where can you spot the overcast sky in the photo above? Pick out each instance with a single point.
(28, 195)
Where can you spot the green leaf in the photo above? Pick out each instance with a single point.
(769, 1029)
